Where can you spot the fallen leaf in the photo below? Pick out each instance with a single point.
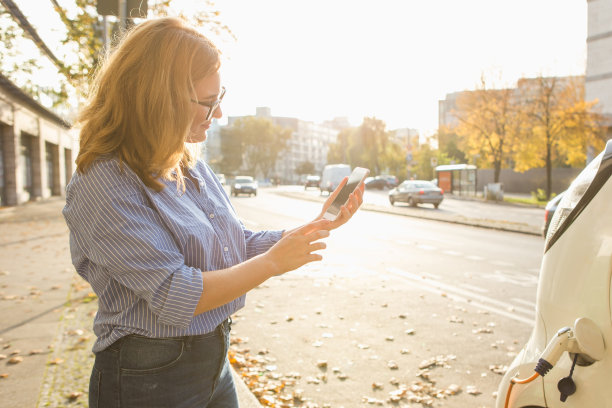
(377, 386)
(74, 395)
(15, 360)
(472, 390)
(392, 365)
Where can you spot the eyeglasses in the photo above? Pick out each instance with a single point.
(212, 106)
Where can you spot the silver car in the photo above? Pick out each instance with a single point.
(416, 192)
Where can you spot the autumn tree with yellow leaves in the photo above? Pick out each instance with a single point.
(488, 125)
(557, 125)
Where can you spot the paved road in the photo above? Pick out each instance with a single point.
(390, 289)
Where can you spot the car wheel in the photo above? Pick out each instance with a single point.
(412, 202)
(255, 194)
(391, 200)
(436, 205)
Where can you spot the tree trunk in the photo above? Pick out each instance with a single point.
(548, 171)
(497, 172)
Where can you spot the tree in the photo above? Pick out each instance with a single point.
(232, 150)
(257, 140)
(305, 167)
(558, 125)
(488, 124)
(338, 152)
(83, 42)
(449, 144)
(373, 140)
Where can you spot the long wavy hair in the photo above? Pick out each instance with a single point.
(139, 104)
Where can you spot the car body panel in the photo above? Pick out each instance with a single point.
(244, 185)
(575, 282)
(416, 192)
(378, 183)
(312, 181)
(332, 176)
(549, 212)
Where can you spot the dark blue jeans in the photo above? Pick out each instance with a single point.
(178, 372)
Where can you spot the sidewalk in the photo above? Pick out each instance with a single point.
(46, 309)
(46, 312)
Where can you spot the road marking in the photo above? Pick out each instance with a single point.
(430, 275)
(524, 302)
(502, 263)
(513, 277)
(493, 305)
(453, 253)
(475, 258)
(474, 288)
(427, 247)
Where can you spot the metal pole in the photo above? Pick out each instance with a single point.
(122, 14)
(105, 32)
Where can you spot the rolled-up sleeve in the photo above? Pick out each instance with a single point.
(119, 232)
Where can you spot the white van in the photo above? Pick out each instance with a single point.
(572, 336)
(332, 176)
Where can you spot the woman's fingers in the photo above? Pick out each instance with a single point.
(309, 228)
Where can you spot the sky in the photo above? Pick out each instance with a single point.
(394, 60)
(391, 59)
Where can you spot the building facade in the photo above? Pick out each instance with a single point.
(599, 57)
(37, 150)
(309, 142)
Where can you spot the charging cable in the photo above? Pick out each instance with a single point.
(517, 381)
(549, 358)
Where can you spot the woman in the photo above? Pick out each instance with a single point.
(154, 233)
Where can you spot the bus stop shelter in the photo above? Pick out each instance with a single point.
(457, 179)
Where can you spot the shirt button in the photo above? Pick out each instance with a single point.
(212, 215)
(225, 249)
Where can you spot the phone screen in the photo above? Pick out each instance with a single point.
(358, 174)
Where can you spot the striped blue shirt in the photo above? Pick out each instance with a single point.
(143, 252)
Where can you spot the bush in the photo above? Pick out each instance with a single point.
(540, 195)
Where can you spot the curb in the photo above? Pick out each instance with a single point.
(480, 223)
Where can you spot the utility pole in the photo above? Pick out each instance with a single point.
(122, 7)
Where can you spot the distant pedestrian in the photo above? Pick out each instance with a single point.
(154, 233)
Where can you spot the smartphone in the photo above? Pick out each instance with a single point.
(356, 177)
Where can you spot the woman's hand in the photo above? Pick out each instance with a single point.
(296, 247)
(346, 211)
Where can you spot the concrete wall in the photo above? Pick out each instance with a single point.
(531, 180)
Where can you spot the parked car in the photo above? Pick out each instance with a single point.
(244, 185)
(312, 181)
(378, 183)
(549, 211)
(221, 178)
(416, 192)
(391, 180)
(332, 175)
(572, 322)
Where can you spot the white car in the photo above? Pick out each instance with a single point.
(573, 326)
